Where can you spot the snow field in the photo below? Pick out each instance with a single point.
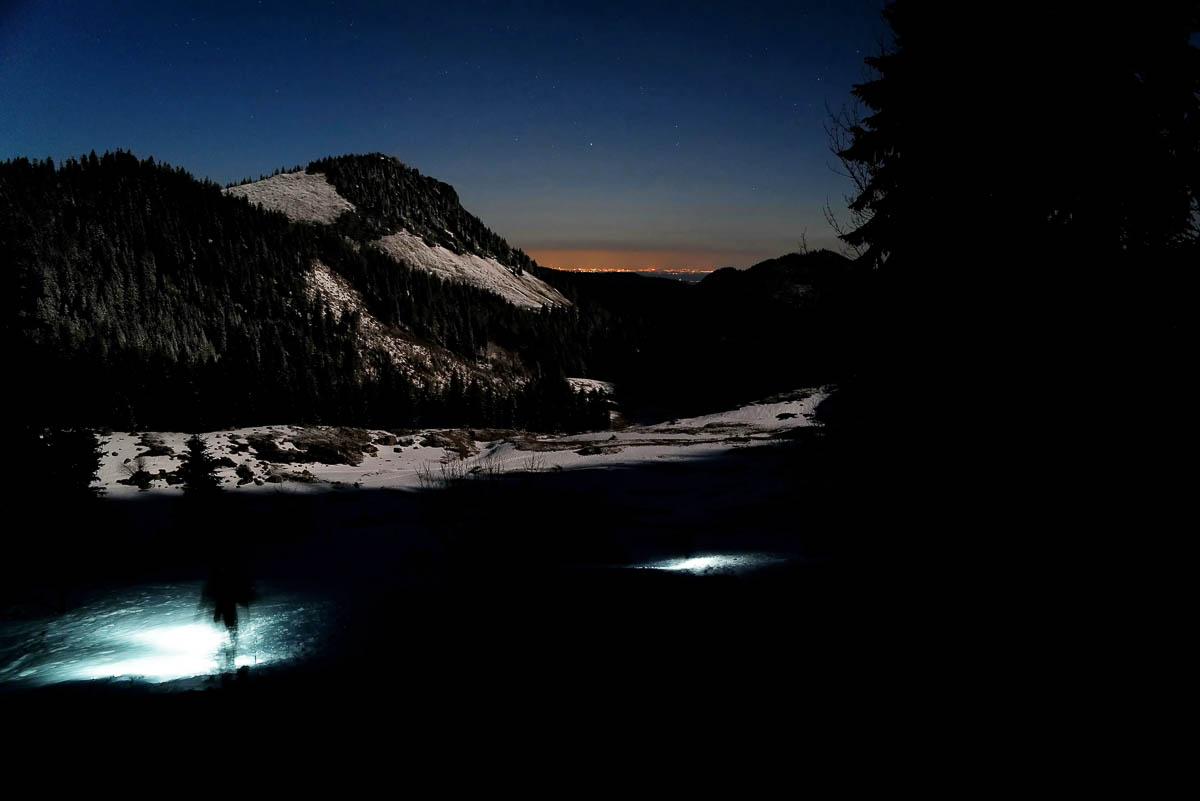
(415, 465)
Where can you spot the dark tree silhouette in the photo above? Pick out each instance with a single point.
(64, 461)
(54, 514)
(999, 132)
(198, 469)
(1026, 194)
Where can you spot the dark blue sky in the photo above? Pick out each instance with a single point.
(672, 134)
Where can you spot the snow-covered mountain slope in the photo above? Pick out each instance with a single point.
(299, 195)
(285, 458)
(311, 198)
(425, 362)
(523, 290)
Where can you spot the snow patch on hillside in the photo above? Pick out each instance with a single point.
(302, 197)
(434, 367)
(333, 290)
(311, 198)
(523, 290)
(591, 385)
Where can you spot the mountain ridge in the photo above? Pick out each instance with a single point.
(378, 201)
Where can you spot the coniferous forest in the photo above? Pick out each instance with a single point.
(145, 298)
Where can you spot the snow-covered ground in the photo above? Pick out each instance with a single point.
(430, 458)
(521, 290)
(302, 197)
(158, 633)
(770, 415)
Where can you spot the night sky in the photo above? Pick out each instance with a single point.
(622, 135)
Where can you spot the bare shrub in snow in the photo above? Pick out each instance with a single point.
(448, 475)
(487, 467)
(138, 475)
(425, 476)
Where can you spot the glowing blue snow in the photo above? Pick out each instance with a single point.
(155, 634)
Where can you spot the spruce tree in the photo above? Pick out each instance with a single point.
(992, 134)
(1026, 180)
(198, 469)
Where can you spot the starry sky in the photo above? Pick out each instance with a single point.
(630, 135)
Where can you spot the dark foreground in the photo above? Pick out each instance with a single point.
(530, 590)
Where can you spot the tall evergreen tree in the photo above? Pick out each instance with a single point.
(994, 132)
(63, 462)
(1026, 191)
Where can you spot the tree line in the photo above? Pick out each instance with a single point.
(144, 297)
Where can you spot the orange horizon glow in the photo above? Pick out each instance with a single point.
(667, 270)
(640, 260)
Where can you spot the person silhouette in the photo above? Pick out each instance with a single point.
(227, 588)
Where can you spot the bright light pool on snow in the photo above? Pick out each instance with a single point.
(156, 634)
(716, 563)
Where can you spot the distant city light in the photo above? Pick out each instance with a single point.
(683, 274)
(682, 270)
